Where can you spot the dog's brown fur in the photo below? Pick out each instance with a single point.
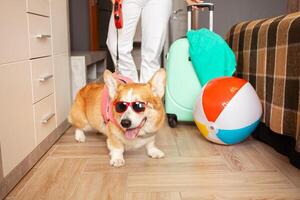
(86, 114)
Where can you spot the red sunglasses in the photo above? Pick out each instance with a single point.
(137, 106)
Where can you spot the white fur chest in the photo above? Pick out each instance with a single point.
(137, 143)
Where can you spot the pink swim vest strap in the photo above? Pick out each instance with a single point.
(107, 104)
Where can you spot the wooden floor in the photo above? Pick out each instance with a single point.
(193, 169)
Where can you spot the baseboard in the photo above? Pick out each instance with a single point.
(11, 180)
(1, 167)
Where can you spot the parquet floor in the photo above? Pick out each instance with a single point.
(193, 169)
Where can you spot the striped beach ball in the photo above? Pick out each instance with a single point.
(227, 111)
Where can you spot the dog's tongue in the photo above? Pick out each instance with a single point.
(131, 133)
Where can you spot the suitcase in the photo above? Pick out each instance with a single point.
(183, 85)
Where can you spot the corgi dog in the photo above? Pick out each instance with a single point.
(136, 113)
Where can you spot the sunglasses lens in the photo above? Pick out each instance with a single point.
(121, 107)
(138, 106)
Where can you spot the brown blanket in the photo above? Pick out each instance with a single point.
(268, 56)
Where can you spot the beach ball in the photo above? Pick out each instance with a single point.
(227, 110)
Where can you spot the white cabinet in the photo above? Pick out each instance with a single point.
(35, 95)
(13, 31)
(60, 26)
(61, 59)
(16, 120)
(39, 36)
(44, 118)
(40, 7)
(62, 87)
(86, 66)
(42, 78)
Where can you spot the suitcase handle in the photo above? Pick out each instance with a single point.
(210, 7)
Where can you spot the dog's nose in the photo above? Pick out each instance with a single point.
(126, 123)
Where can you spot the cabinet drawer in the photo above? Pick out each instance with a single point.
(39, 36)
(40, 7)
(42, 78)
(44, 118)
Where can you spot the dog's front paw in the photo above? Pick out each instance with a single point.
(155, 153)
(117, 162)
(79, 135)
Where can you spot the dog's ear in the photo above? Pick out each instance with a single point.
(111, 83)
(158, 83)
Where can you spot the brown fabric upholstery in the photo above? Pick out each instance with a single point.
(268, 56)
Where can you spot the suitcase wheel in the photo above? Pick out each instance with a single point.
(172, 120)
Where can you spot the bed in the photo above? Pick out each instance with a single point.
(268, 56)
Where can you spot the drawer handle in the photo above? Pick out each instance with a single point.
(41, 36)
(45, 78)
(47, 118)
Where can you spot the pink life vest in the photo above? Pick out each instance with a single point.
(107, 104)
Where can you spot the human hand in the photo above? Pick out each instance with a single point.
(113, 1)
(193, 2)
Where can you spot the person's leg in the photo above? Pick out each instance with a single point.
(155, 19)
(131, 14)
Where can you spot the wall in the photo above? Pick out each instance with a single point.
(229, 12)
(293, 6)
